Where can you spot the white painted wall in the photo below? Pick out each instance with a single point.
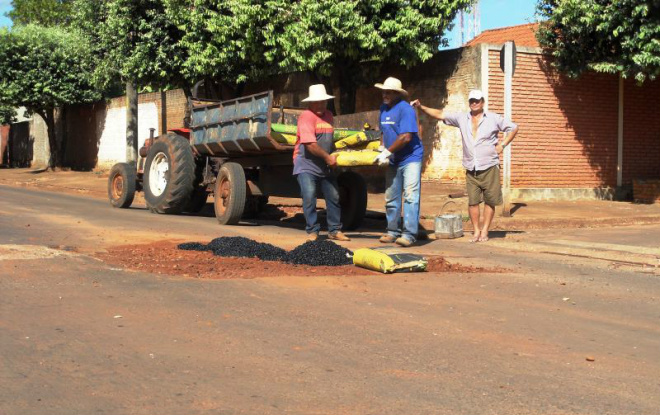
(40, 145)
(112, 145)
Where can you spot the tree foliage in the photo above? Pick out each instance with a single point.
(616, 36)
(172, 43)
(241, 40)
(320, 34)
(133, 40)
(41, 12)
(226, 40)
(44, 68)
(7, 114)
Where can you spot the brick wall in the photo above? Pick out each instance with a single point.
(4, 137)
(171, 106)
(641, 131)
(568, 128)
(646, 191)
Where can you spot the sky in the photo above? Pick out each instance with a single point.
(494, 14)
(5, 6)
(498, 13)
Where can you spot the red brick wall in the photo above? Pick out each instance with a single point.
(641, 131)
(568, 128)
(646, 191)
(4, 138)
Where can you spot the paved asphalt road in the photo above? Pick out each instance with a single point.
(81, 337)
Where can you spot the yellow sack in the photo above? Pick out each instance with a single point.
(388, 260)
(284, 138)
(342, 133)
(352, 140)
(356, 158)
(372, 145)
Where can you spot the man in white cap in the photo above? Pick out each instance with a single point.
(402, 151)
(312, 162)
(481, 150)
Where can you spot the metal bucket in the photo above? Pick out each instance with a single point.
(448, 225)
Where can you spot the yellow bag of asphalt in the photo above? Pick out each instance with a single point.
(356, 158)
(284, 138)
(388, 260)
(342, 133)
(352, 141)
(372, 145)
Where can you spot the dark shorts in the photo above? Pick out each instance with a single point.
(484, 186)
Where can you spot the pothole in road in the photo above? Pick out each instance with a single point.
(164, 258)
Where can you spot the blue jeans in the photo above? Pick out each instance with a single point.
(403, 181)
(308, 188)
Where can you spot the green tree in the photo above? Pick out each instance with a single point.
(241, 40)
(225, 40)
(42, 69)
(334, 38)
(41, 12)
(7, 114)
(617, 36)
(132, 40)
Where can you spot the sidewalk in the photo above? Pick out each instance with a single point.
(526, 216)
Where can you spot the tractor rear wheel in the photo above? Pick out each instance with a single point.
(169, 174)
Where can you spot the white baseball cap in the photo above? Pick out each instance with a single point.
(392, 84)
(476, 94)
(317, 93)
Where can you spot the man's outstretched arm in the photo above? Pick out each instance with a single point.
(431, 112)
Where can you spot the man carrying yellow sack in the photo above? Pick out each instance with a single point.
(402, 152)
(312, 162)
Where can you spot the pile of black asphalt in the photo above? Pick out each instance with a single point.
(312, 253)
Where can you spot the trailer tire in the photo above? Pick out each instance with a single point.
(169, 174)
(352, 199)
(121, 185)
(230, 194)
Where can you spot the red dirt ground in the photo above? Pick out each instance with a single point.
(165, 258)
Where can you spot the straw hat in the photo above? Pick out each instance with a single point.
(392, 84)
(317, 93)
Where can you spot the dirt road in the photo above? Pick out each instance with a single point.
(552, 334)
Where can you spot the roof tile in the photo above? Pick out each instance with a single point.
(523, 35)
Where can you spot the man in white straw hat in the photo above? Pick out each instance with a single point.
(481, 155)
(402, 151)
(312, 162)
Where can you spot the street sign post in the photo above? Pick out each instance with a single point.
(508, 65)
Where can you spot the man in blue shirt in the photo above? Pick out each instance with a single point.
(402, 151)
